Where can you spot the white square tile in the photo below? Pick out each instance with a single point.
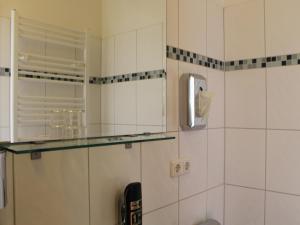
(215, 204)
(215, 157)
(126, 53)
(159, 189)
(107, 129)
(172, 95)
(126, 103)
(108, 103)
(150, 129)
(191, 68)
(94, 130)
(94, 56)
(215, 29)
(192, 25)
(193, 210)
(244, 30)
(4, 42)
(56, 187)
(164, 216)
(245, 99)
(150, 100)
(216, 80)
(282, 18)
(283, 161)
(244, 206)
(150, 48)
(282, 209)
(125, 129)
(4, 134)
(111, 169)
(193, 146)
(7, 214)
(93, 103)
(108, 57)
(172, 22)
(283, 97)
(245, 157)
(4, 101)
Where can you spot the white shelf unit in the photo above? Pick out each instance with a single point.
(34, 111)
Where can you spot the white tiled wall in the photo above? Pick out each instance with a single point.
(198, 195)
(262, 108)
(137, 106)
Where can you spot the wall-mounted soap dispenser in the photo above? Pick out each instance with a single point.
(194, 101)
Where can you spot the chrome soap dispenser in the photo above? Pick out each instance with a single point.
(194, 101)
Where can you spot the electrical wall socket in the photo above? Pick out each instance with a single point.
(180, 167)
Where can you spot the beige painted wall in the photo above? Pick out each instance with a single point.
(76, 14)
(121, 16)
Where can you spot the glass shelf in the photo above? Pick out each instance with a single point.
(34, 147)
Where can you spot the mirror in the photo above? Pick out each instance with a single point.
(98, 74)
(133, 90)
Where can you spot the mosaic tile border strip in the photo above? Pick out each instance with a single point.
(129, 77)
(53, 77)
(194, 58)
(263, 62)
(242, 64)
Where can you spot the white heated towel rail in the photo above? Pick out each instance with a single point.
(36, 110)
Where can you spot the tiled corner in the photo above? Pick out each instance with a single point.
(245, 99)
(192, 14)
(282, 209)
(245, 157)
(163, 216)
(215, 80)
(244, 23)
(244, 206)
(111, 169)
(193, 146)
(283, 161)
(159, 188)
(187, 212)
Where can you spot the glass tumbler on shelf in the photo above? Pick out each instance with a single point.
(56, 123)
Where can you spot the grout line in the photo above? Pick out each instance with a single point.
(224, 107)
(267, 129)
(266, 116)
(162, 207)
(262, 189)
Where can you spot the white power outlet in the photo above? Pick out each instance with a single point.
(180, 167)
